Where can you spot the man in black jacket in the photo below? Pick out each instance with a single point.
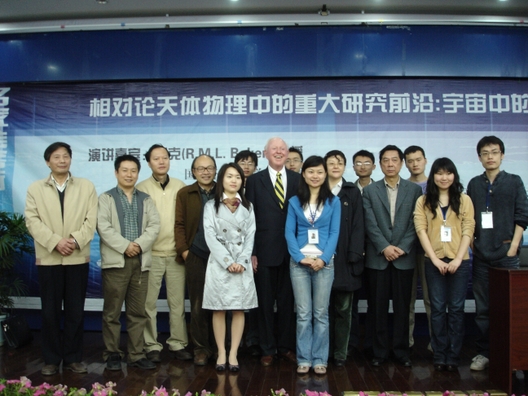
(348, 261)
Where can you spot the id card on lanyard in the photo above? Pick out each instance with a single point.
(445, 231)
(313, 233)
(487, 216)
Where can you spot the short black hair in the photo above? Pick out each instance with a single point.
(152, 148)
(413, 149)
(391, 147)
(126, 157)
(364, 153)
(334, 153)
(194, 161)
(54, 147)
(487, 140)
(245, 154)
(293, 149)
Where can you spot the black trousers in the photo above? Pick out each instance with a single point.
(62, 284)
(274, 285)
(384, 285)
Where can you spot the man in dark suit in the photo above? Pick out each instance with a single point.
(390, 254)
(269, 191)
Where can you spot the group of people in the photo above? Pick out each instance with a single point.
(283, 249)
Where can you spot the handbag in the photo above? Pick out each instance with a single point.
(16, 331)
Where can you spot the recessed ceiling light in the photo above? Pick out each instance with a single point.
(102, 1)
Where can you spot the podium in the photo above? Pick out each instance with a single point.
(508, 317)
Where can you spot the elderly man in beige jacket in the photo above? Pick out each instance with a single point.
(60, 214)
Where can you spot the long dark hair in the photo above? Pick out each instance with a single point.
(219, 193)
(304, 191)
(433, 195)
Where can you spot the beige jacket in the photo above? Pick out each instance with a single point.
(165, 201)
(113, 244)
(47, 227)
(460, 226)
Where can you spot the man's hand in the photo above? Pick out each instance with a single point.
(391, 252)
(184, 255)
(132, 250)
(254, 263)
(66, 246)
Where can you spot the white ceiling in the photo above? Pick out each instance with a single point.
(17, 13)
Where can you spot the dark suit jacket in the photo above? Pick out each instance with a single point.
(381, 233)
(188, 216)
(270, 243)
(348, 261)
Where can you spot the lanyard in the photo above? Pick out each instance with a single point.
(313, 215)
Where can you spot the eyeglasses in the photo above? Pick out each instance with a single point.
(493, 153)
(359, 163)
(202, 169)
(294, 161)
(242, 163)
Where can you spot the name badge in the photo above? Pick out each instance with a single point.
(313, 236)
(487, 220)
(445, 234)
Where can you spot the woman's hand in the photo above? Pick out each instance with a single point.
(453, 265)
(441, 265)
(317, 264)
(235, 268)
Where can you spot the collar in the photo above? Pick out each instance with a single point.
(273, 172)
(389, 186)
(224, 196)
(163, 185)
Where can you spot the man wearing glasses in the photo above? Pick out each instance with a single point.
(248, 161)
(363, 162)
(501, 216)
(192, 250)
(295, 159)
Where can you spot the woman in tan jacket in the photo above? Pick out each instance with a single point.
(444, 221)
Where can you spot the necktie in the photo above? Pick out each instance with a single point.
(279, 190)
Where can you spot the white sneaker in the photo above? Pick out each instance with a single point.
(479, 363)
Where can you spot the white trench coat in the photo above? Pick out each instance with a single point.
(230, 238)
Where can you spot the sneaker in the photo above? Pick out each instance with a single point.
(113, 363)
(479, 363)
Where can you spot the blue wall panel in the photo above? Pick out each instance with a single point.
(371, 51)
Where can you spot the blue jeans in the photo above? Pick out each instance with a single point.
(447, 294)
(481, 293)
(311, 290)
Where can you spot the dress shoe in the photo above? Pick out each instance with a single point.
(220, 367)
(439, 367)
(376, 362)
(290, 356)
(452, 368)
(200, 359)
(405, 362)
(49, 369)
(234, 368)
(154, 356)
(182, 354)
(320, 370)
(78, 368)
(266, 360)
(142, 363)
(339, 362)
(113, 363)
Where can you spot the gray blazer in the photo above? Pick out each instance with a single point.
(379, 230)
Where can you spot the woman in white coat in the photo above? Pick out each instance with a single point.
(229, 226)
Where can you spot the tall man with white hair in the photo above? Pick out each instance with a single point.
(269, 191)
